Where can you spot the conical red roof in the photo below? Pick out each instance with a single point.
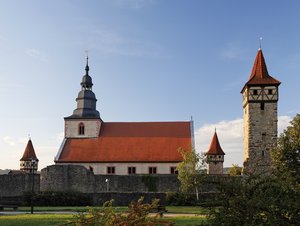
(259, 74)
(215, 147)
(29, 153)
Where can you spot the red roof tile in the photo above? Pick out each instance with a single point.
(259, 74)
(215, 147)
(29, 153)
(131, 142)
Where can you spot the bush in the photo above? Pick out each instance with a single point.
(57, 198)
(138, 215)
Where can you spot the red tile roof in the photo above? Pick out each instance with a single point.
(215, 147)
(259, 74)
(29, 153)
(131, 142)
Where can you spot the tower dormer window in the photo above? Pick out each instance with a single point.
(81, 129)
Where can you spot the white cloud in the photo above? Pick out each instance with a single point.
(230, 134)
(35, 53)
(8, 140)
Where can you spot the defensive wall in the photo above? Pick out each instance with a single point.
(100, 188)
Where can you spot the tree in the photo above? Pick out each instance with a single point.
(191, 170)
(265, 199)
(286, 156)
(255, 200)
(235, 170)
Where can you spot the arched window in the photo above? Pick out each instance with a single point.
(81, 129)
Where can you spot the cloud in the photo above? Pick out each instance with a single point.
(230, 134)
(9, 140)
(35, 53)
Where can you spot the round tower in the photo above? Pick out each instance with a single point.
(260, 98)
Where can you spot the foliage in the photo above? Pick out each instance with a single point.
(256, 200)
(137, 215)
(286, 156)
(150, 182)
(191, 170)
(235, 170)
(180, 199)
(58, 198)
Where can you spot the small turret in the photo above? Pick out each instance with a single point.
(29, 161)
(215, 156)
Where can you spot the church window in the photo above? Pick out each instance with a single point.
(131, 170)
(262, 106)
(173, 170)
(111, 170)
(152, 170)
(81, 129)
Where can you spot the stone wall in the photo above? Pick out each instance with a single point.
(78, 178)
(16, 184)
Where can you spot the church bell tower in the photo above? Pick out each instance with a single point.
(260, 98)
(85, 122)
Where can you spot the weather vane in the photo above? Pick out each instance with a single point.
(260, 40)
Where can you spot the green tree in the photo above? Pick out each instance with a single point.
(235, 170)
(191, 170)
(286, 156)
(255, 200)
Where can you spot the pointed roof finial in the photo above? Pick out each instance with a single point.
(87, 62)
(260, 41)
(215, 129)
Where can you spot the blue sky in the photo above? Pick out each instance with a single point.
(150, 60)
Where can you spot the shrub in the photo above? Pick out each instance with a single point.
(58, 198)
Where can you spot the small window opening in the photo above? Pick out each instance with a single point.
(81, 129)
(262, 106)
(262, 153)
(173, 170)
(131, 170)
(111, 170)
(152, 170)
(255, 92)
(270, 91)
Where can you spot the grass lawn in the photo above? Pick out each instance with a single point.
(171, 209)
(45, 219)
(56, 219)
(35, 219)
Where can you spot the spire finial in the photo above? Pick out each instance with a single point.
(87, 62)
(260, 41)
(215, 129)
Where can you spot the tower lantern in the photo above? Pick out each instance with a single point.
(260, 97)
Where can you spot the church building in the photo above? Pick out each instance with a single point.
(120, 148)
(260, 98)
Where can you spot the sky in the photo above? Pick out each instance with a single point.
(150, 60)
